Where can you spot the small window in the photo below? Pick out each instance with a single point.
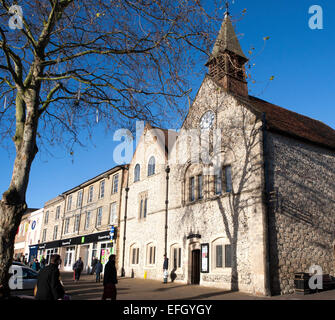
(228, 256)
(57, 213)
(76, 223)
(46, 217)
(99, 217)
(200, 181)
(113, 215)
(137, 172)
(115, 183)
(79, 199)
(66, 226)
(176, 255)
(151, 254)
(55, 232)
(218, 256)
(69, 202)
(135, 255)
(87, 220)
(143, 209)
(228, 179)
(151, 166)
(192, 190)
(44, 235)
(218, 183)
(90, 194)
(102, 189)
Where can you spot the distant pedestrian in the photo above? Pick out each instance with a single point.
(94, 263)
(42, 263)
(165, 268)
(78, 268)
(110, 279)
(49, 286)
(35, 265)
(98, 270)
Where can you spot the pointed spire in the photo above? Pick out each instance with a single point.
(227, 60)
(227, 40)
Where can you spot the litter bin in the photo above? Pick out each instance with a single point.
(301, 283)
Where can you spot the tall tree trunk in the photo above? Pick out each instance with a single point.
(13, 202)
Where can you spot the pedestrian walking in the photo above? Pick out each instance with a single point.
(35, 265)
(49, 286)
(42, 263)
(165, 268)
(110, 279)
(78, 268)
(98, 270)
(94, 263)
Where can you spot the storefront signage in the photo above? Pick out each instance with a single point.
(205, 258)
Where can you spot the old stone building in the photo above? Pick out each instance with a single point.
(77, 223)
(241, 198)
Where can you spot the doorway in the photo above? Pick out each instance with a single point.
(195, 272)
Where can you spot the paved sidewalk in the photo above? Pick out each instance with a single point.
(139, 289)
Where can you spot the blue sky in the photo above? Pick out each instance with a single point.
(300, 59)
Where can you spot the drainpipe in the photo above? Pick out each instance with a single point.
(125, 226)
(167, 170)
(267, 210)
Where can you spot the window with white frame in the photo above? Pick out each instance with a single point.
(69, 202)
(66, 225)
(143, 206)
(151, 166)
(134, 255)
(102, 189)
(44, 235)
(176, 256)
(87, 220)
(115, 183)
(76, 223)
(113, 214)
(55, 232)
(57, 213)
(79, 198)
(137, 172)
(99, 216)
(46, 217)
(90, 194)
(151, 254)
(222, 254)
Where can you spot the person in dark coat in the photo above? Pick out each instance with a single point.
(42, 263)
(36, 265)
(49, 286)
(110, 279)
(94, 263)
(98, 270)
(165, 269)
(78, 268)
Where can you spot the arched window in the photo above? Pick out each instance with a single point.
(151, 166)
(137, 172)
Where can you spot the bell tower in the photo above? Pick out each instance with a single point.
(226, 64)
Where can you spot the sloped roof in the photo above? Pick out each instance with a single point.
(226, 40)
(294, 124)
